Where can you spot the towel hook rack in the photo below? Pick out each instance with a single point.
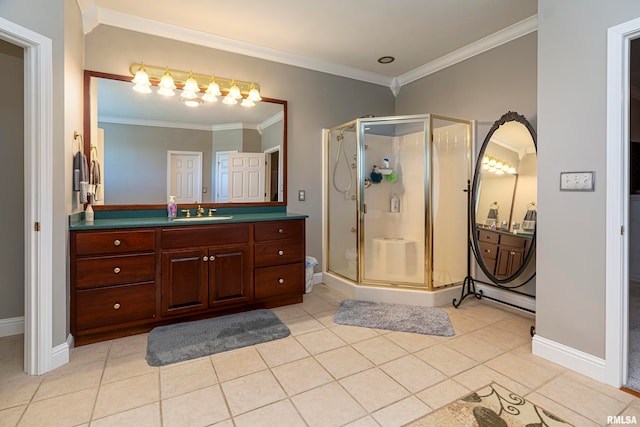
(78, 138)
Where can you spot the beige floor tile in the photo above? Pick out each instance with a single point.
(379, 350)
(11, 347)
(363, 422)
(130, 365)
(343, 361)
(361, 384)
(326, 318)
(484, 310)
(521, 370)
(616, 393)
(70, 378)
(524, 352)
(402, 412)
(412, 342)
(10, 417)
(353, 334)
(252, 391)
(628, 415)
(129, 345)
(197, 408)
(279, 414)
(480, 376)
(226, 423)
(303, 325)
(446, 360)
(282, 351)
(463, 323)
(313, 405)
(237, 363)
(186, 377)
(289, 312)
(66, 410)
(320, 341)
(474, 347)
(19, 389)
(500, 338)
(443, 393)
(90, 353)
(520, 325)
(314, 304)
(127, 394)
(589, 402)
(144, 416)
(560, 411)
(412, 373)
(301, 375)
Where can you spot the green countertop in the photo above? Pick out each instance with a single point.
(501, 231)
(153, 218)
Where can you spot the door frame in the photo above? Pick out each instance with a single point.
(198, 184)
(617, 201)
(38, 190)
(267, 176)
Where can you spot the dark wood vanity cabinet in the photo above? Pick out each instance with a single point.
(503, 253)
(128, 281)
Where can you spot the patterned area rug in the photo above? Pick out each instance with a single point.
(394, 317)
(492, 406)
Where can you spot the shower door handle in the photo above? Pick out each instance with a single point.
(353, 229)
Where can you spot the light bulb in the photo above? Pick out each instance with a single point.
(499, 165)
(234, 91)
(485, 159)
(254, 94)
(492, 162)
(247, 103)
(499, 172)
(229, 100)
(512, 170)
(485, 166)
(190, 88)
(166, 85)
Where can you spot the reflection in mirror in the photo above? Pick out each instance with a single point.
(504, 199)
(151, 147)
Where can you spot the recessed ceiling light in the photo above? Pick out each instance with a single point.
(386, 59)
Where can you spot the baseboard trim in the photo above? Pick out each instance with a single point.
(517, 300)
(11, 326)
(317, 278)
(61, 354)
(576, 360)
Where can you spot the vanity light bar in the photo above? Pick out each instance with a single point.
(193, 83)
(497, 166)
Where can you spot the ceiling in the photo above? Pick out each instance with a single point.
(335, 36)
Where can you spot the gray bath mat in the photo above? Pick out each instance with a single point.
(394, 317)
(190, 340)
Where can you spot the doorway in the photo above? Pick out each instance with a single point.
(185, 176)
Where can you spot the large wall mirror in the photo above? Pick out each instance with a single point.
(504, 198)
(150, 147)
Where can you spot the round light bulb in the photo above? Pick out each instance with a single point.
(492, 162)
(247, 103)
(254, 95)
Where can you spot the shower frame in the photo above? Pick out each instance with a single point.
(359, 124)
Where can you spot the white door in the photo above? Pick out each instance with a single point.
(246, 177)
(185, 176)
(222, 176)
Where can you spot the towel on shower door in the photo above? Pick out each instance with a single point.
(81, 176)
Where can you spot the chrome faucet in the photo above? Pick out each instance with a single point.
(199, 211)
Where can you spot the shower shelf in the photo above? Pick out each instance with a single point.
(385, 171)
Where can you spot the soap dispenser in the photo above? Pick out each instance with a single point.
(395, 203)
(88, 213)
(172, 208)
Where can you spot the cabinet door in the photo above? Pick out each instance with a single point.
(229, 276)
(184, 281)
(509, 261)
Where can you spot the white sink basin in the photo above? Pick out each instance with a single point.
(202, 218)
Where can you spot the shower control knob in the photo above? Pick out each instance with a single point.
(116, 270)
(116, 242)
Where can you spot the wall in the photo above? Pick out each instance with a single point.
(572, 54)
(315, 101)
(12, 175)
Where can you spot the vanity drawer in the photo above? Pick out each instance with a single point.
(514, 241)
(191, 236)
(114, 270)
(114, 242)
(279, 280)
(488, 236)
(274, 230)
(488, 250)
(114, 305)
(279, 252)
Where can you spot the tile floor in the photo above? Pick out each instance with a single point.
(323, 375)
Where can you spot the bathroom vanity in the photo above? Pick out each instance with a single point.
(129, 275)
(503, 252)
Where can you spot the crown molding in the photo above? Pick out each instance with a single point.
(496, 39)
(201, 38)
(279, 116)
(154, 123)
(233, 126)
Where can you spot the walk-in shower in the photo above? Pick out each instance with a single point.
(395, 209)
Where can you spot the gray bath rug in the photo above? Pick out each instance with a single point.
(190, 340)
(394, 317)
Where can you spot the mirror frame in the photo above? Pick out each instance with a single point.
(88, 74)
(508, 117)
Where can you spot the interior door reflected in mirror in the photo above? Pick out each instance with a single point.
(504, 198)
(151, 147)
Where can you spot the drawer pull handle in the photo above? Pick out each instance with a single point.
(280, 280)
(488, 251)
(281, 253)
(513, 253)
(280, 230)
(205, 258)
(211, 258)
(116, 242)
(116, 306)
(116, 270)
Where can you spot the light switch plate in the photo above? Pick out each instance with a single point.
(302, 195)
(577, 181)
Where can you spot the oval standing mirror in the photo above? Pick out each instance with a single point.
(144, 142)
(503, 209)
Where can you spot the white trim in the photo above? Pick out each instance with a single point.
(197, 186)
(38, 114)
(496, 39)
(278, 117)
(570, 358)
(518, 300)
(617, 201)
(93, 16)
(154, 123)
(11, 326)
(60, 355)
(227, 126)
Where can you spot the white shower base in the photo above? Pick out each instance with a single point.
(441, 297)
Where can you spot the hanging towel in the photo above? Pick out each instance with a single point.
(95, 180)
(493, 214)
(529, 222)
(81, 175)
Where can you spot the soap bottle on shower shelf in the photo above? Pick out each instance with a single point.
(385, 163)
(172, 208)
(395, 203)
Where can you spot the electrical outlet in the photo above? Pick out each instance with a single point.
(577, 181)
(301, 195)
